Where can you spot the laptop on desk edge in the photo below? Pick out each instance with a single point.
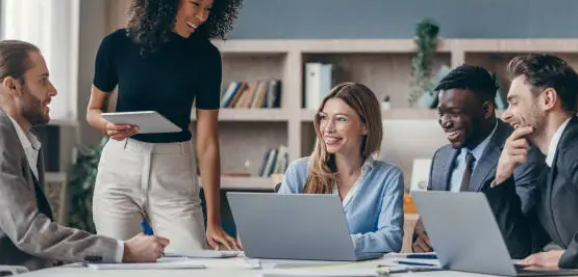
(466, 236)
(293, 226)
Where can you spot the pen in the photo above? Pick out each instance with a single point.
(415, 263)
(148, 230)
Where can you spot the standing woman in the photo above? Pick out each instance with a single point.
(163, 61)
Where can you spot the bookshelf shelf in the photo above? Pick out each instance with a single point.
(251, 115)
(274, 46)
(245, 183)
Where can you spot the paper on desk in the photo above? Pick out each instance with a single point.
(321, 272)
(203, 254)
(164, 263)
(354, 269)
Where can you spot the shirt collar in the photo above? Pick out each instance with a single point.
(367, 164)
(478, 151)
(554, 143)
(29, 141)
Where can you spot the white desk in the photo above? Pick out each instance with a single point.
(237, 267)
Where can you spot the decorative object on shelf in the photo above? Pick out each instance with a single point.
(500, 100)
(429, 100)
(420, 174)
(248, 167)
(245, 173)
(81, 184)
(386, 104)
(426, 41)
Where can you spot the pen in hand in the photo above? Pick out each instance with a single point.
(148, 230)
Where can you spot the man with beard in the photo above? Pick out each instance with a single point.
(543, 98)
(466, 112)
(28, 235)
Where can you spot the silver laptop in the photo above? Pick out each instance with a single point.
(466, 236)
(293, 226)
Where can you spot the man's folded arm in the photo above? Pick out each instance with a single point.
(33, 232)
(522, 233)
(570, 257)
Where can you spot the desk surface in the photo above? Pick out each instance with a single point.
(237, 267)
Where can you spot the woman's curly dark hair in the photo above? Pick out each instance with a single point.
(151, 21)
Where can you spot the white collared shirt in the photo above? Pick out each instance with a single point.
(31, 146)
(554, 143)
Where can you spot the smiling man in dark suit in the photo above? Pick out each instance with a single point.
(543, 101)
(467, 115)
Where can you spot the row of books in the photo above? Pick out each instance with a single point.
(251, 95)
(275, 161)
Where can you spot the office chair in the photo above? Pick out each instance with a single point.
(277, 187)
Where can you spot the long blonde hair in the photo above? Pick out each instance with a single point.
(322, 169)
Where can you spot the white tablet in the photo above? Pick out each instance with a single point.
(149, 122)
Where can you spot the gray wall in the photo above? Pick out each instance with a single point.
(263, 19)
(92, 30)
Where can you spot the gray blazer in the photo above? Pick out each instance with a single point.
(526, 175)
(28, 236)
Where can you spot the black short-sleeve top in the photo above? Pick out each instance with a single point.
(168, 80)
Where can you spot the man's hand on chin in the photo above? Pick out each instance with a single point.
(548, 259)
(515, 152)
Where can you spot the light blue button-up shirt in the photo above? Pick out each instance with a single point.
(373, 207)
(461, 161)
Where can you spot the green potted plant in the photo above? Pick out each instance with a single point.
(81, 185)
(426, 41)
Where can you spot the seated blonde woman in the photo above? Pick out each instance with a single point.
(349, 133)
